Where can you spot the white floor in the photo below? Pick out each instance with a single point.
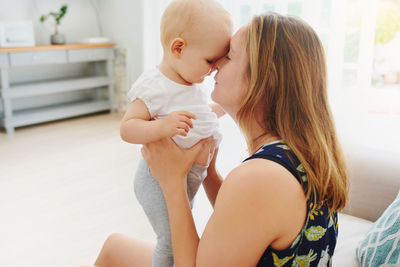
(66, 185)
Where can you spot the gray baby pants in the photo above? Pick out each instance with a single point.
(150, 196)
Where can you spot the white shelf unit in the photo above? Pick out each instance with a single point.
(36, 56)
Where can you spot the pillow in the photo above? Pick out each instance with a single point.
(381, 244)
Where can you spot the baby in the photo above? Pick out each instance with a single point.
(194, 34)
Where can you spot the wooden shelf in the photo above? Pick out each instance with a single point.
(54, 47)
(100, 82)
(58, 86)
(56, 112)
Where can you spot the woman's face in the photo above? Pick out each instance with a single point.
(231, 80)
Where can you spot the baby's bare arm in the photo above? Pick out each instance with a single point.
(137, 126)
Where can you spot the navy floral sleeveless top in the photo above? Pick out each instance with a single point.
(316, 241)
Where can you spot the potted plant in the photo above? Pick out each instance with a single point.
(56, 38)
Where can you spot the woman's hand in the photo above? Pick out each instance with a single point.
(204, 157)
(211, 167)
(170, 164)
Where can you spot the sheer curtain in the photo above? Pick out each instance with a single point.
(152, 50)
(346, 28)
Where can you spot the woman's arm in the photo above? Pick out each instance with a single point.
(213, 180)
(184, 236)
(170, 165)
(259, 204)
(212, 184)
(138, 128)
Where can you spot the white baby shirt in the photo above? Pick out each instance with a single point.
(163, 96)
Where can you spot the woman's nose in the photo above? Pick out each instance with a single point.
(218, 63)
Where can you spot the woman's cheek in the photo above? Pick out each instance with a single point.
(221, 96)
(218, 95)
(214, 94)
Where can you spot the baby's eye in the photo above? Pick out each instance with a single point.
(227, 57)
(210, 61)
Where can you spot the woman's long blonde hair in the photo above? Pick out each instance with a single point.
(288, 86)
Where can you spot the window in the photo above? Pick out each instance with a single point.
(386, 66)
(351, 44)
(361, 42)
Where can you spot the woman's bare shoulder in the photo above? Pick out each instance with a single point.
(276, 189)
(260, 198)
(263, 174)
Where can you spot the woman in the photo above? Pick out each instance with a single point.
(278, 208)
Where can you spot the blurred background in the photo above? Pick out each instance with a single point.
(65, 185)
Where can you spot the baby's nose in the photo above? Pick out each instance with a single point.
(215, 67)
(212, 69)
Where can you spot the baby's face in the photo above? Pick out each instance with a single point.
(198, 59)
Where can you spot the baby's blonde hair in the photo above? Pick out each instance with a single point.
(185, 16)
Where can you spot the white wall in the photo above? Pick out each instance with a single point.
(79, 22)
(121, 21)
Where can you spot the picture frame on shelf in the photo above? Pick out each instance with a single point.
(17, 33)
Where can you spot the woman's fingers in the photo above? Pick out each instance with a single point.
(213, 159)
(169, 163)
(154, 148)
(205, 144)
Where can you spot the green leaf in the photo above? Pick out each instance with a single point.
(57, 16)
(63, 9)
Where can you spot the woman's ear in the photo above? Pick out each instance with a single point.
(177, 46)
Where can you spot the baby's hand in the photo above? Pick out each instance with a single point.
(177, 123)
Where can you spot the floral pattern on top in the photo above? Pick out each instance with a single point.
(316, 241)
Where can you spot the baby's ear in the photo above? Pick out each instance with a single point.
(177, 46)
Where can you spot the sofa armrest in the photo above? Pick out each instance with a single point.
(374, 180)
(351, 231)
